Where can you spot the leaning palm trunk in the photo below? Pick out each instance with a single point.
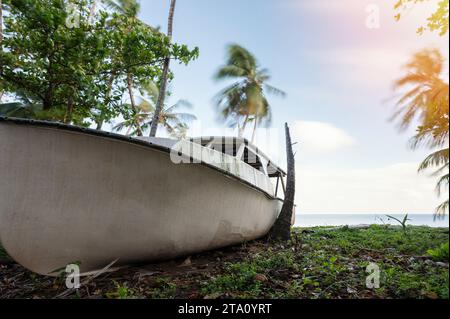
(92, 11)
(1, 25)
(254, 129)
(241, 129)
(163, 86)
(133, 104)
(282, 228)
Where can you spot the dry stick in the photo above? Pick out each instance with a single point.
(88, 280)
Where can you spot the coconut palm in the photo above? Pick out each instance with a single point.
(427, 100)
(245, 100)
(165, 73)
(175, 122)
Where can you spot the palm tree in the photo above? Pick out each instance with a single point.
(165, 73)
(131, 9)
(1, 25)
(244, 100)
(427, 100)
(170, 118)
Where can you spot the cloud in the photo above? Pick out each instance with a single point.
(327, 6)
(396, 188)
(320, 137)
(368, 68)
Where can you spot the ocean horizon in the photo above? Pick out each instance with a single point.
(314, 220)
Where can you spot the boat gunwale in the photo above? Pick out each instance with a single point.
(123, 138)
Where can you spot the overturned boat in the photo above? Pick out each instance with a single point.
(74, 195)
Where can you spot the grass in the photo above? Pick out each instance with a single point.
(440, 253)
(332, 264)
(413, 263)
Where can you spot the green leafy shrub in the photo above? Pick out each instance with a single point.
(440, 253)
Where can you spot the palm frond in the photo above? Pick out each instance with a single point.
(442, 184)
(273, 90)
(438, 158)
(151, 90)
(185, 117)
(242, 58)
(113, 5)
(130, 8)
(443, 208)
(181, 103)
(230, 71)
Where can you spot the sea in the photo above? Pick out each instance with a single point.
(313, 220)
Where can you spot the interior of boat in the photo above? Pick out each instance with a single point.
(246, 152)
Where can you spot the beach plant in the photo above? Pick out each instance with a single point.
(121, 292)
(403, 222)
(165, 289)
(440, 254)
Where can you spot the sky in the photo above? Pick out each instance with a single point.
(337, 63)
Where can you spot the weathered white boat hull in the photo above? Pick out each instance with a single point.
(68, 196)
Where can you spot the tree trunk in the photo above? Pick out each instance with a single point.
(107, 100)
(133, 104)
(1, 25)
(282, 228)
(69, 112)
(244, 126)
(1, 43)
(47, 103)
(92, 11)
(254, 129)
(165, 73)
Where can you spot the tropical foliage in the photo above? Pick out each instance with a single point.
(170, 118)
(437, 21)
(427, 99)
(245, 100)
(74, 66)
